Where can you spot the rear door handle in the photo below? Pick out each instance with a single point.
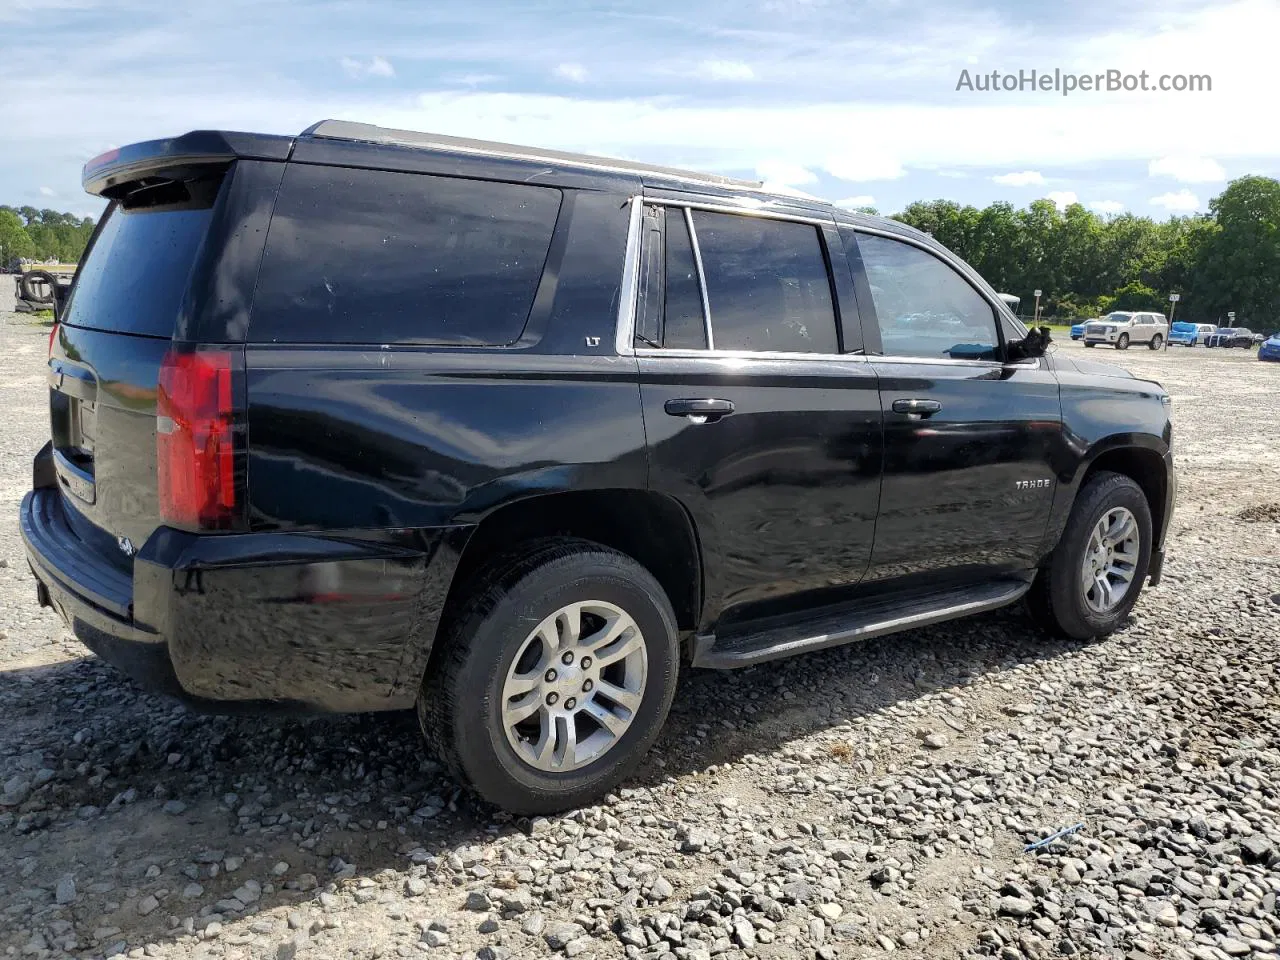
(699, 410)
(917, 409)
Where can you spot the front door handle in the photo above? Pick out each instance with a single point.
(917, 409)
(699, 410)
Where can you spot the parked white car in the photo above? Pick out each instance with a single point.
(1123, 327)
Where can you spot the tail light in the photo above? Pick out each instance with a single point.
(53, 335)
(195, 440)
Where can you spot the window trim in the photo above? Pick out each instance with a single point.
(961, 269)
(702, 279)
(624, 333)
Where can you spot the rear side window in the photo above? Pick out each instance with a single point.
(767, 284)
(135, 275)
(367, 256)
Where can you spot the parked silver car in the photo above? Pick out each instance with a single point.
(1123, 327)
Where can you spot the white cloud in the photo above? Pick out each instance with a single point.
(1026, 178)
(1184, 201)
(725, 70)
(1062, 198)
(864, 164)
(571, 71)
(1188, 169)
(1106, 206)
(375, 67)
(780, 171)
(862, 200)
(48, 192)
(120, 89)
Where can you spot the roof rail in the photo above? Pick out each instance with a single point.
(369, 133)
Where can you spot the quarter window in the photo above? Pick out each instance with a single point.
(368, 256)
(924, 307)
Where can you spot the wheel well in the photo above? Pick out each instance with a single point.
(652, 529)
(1146, 469)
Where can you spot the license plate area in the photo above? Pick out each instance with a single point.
(74, 422)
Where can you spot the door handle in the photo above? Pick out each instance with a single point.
(699, 410)
(917, 409)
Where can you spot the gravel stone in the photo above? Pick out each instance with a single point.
(789, 811)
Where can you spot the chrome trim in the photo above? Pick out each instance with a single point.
(1031, 363)
(702, 278)
(762, 212)
(624, 333)
(686, 353)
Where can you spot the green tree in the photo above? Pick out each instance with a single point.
(1239, 263)
(14, 241)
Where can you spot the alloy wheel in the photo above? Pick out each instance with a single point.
(1110, 560)
(575, 686)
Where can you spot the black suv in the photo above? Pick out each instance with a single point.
(366, 419)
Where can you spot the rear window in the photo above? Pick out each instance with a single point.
(370, 256)
(135, 276)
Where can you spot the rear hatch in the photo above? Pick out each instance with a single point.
(106, 354)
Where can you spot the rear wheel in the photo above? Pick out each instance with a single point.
(555, 677)
(1156, 342)
(1122, 342)
(1093, 577)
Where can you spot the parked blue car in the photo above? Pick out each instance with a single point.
(1077, 330)
(1185, 334)
(1270, 349)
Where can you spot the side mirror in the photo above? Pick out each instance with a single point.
(1034, 344)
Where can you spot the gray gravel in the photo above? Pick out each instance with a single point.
(869, 799)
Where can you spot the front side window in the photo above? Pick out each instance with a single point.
(767, 284)
(923, 306)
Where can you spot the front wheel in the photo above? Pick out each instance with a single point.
(1122, 342)
(1093, 577)
(1090, 345)
(1156, 342)
(555, 677)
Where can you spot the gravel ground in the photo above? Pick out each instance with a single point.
(870, 799)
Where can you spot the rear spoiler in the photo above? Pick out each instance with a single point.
(177, 156)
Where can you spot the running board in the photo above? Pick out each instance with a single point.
(876, 618)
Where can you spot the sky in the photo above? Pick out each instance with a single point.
(855, 102)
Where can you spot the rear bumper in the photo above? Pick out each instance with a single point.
(258, 621)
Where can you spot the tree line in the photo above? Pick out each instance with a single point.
(30, 234)
(1086, 265)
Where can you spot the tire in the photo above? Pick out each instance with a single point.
(1156, 342)
(1090, 345)
(460, 707)
(1122, 342)
(1057, 599)
(27, 286)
